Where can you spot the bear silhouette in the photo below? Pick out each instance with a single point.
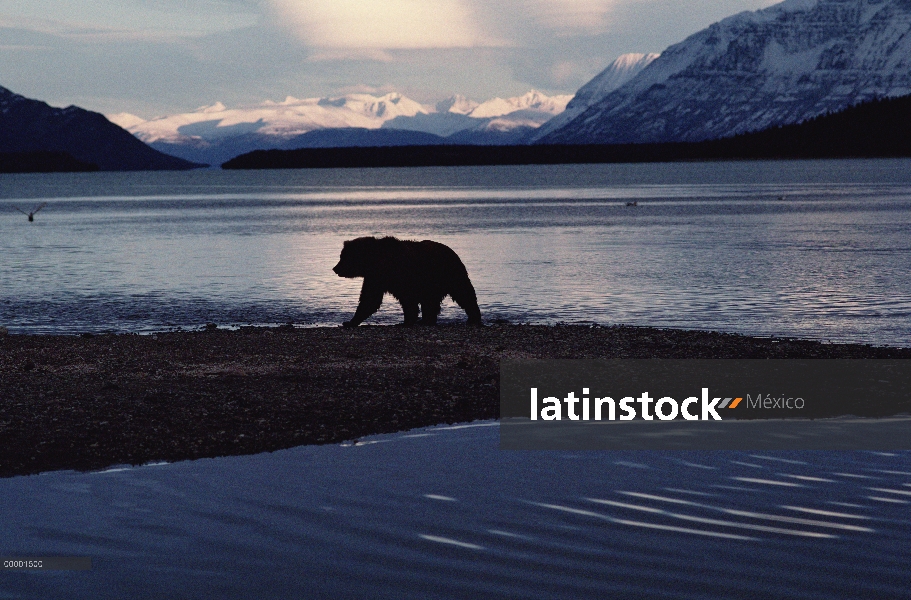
(415, 273)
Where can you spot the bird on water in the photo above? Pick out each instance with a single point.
(31, 215)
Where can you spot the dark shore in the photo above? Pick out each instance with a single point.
(80, 402)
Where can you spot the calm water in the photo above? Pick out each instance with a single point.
(442, 513)
(814, 249)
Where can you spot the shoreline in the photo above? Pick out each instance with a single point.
(89, 402)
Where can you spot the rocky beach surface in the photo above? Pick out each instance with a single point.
(88, 402)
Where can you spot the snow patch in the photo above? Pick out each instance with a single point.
(125, 120)
(535, 100)
(457, 104)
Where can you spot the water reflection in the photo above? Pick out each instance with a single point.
(446, 514)
(818, 254)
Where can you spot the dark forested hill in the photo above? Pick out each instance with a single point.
(28, 126)
(41, 162)
(878, 128)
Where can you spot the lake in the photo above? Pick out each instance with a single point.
(813, 249)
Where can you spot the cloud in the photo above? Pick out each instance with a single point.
(569, 16)
(375, 90)
(349, 54)
(565, 71)
(381, 24)
(423, 24)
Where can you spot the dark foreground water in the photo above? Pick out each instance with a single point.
(809, 249)
(443, 513)
(816, 249)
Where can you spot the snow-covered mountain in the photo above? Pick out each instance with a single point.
(278, 119)
(532, 101)
(495, 121)
(616, 74)
(216, 133)
(457, 104)
(782, 64)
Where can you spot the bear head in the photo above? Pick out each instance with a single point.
(357, 257)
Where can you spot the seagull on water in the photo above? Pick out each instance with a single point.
(31, 215)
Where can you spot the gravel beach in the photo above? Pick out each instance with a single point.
(87, 402)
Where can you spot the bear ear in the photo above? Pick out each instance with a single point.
(345, 243)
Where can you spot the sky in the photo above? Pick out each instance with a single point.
(159, 57)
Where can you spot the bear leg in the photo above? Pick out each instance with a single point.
(464, 295)
(410, 308)
(430, 309)
(370, 301)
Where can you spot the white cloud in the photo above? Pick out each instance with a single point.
(381, 24)
(570, 16)
(361, 88)
(417, 24)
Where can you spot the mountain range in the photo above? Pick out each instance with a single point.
(215, 133)
(878, 128)
(780, 65)
(33, 135)
(753, 71)
(494, 122)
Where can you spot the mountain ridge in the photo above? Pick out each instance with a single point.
(32, 126)
(622, 70)
(775, 66)
(215, 133)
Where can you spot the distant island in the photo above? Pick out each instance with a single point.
(879, 128)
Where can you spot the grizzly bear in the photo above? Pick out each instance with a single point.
(415, 273)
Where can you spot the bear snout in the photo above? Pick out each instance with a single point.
(342, 271)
